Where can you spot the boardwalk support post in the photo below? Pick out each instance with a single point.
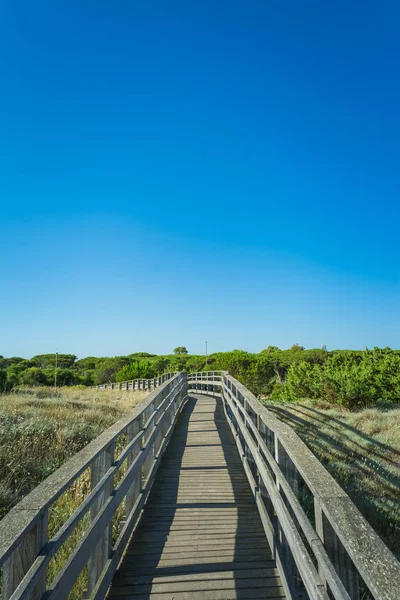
(21, 560)
(102, 551)
(352, 560)
(337, 553)
(334, 556)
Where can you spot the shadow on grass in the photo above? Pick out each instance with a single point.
(367, 469)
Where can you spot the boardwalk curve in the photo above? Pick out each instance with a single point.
(200, 492)
(200, 535)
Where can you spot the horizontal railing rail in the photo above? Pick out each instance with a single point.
(205, 382)
(120, 464)
(135, 384)
(324, 547)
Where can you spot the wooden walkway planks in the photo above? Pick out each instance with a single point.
(200, 536)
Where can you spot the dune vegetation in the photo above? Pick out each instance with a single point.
(351, 378)
(40, 429)
(361, 450)
(344, 404)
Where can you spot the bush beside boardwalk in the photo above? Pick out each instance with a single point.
(350, 418)
(351, 378)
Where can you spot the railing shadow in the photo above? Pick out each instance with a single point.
(342, 442)
(225, 540)
(340, 448)
(328, 419)
(251, 548)
(142, 557)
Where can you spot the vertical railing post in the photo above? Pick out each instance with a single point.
(283, 548)
(337, 553)
(319, 528)
(102, 551)
(20, 561)
(134, 489)
(150, 457)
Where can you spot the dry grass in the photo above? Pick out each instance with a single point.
(362, 451)
(39, 431)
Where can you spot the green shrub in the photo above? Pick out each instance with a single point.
(33, 376)
(137, 369)
(350, 379)
(3, 380)
(107, 368)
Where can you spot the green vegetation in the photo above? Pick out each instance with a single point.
(361, 450)
(180, 350)
(350, 379)
(291, 381)
(353, 379)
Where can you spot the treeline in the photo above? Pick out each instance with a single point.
(346, 377)
(41, 369)
(350, 378)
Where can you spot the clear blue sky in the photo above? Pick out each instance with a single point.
(175, 172)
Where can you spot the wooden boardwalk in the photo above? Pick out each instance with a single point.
(192, 530)
(200, 535)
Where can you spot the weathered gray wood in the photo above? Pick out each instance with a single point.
(102, 551)
(327, 570)
(287, 529)
(64, 581)
(355, 548)
(24, 527)
(337, 553)
(342, 542)
(134, 491)
(21, 560)
(173, 535)
(27, 511)
(144, 384)
(120, 546)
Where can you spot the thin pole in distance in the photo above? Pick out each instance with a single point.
(55, 372)
(206, 354)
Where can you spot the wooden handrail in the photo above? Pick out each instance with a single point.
(205, 382)
(135, 384)
(25, 551)
(323, 550)
(330, 546)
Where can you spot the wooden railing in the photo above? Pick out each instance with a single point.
(120, 466)
(324, 548)
(135, 384)
(205, 382)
